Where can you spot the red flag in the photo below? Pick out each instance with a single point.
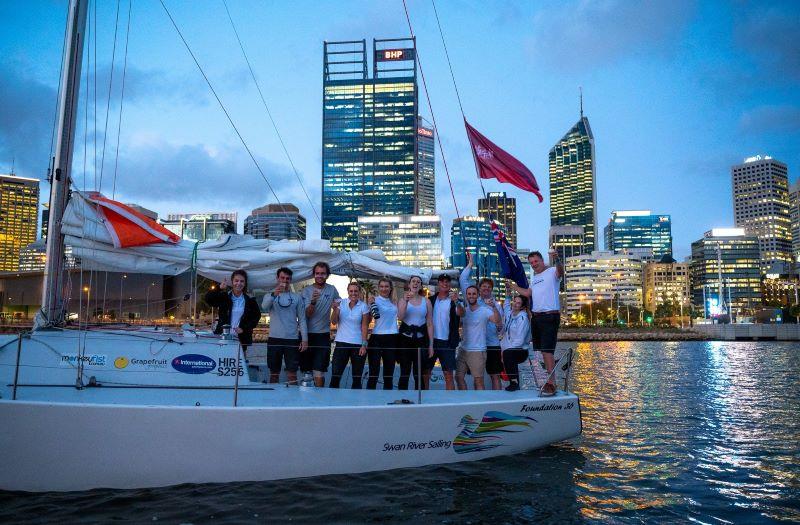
(495, 163)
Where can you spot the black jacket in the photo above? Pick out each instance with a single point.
(454, 338)
(252, 313)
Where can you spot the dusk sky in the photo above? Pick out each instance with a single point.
(676, 93)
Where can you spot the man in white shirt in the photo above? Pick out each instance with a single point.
(472, 357)
(546, 309)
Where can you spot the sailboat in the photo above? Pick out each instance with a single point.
(85, 409)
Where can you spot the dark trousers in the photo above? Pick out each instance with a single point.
(381, 347)
(343, 353)
(512, 357)
(412, 351)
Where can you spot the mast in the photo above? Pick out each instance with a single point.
(52, 312)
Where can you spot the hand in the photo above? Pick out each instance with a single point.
(409, 294)
(490, 302)
(278, 289)
(362, 351)
(370, 299)
(303, 346)
(238, 330)
(454, 296)
(469, 258)
(315, 295)
(336, 303)
(223, 285)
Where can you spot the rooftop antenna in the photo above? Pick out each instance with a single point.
(580, 88)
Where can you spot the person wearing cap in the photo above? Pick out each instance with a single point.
(446, 313)
(545, 308)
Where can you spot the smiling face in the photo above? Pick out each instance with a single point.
(285, 279)
(537, 263)
(238, 284)
(414, 284)
(516, 304)
(354, 292)
(444, 286)
(320, 275)
(472, 295)
(486, 290)
(385, 289)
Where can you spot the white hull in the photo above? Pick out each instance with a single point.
(59, 438)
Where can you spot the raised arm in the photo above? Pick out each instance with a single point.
(555, 260)
(429, 324)
(520, 290)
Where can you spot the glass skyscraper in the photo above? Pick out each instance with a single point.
(640, 232)
(276, 222)
(19, 207)
(474, 234)
(411, 240)
(502, 209)
(573, 198)
(371, 137)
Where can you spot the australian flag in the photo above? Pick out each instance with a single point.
(510, 265)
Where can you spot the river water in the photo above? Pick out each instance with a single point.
(703, 432)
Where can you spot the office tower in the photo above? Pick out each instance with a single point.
(19, 208)
(761, 206)
(726, 272)
(411, 240)
(45, 220)
(276, 222)
(426, 169)
(200, 227)
(231, 216)
(474, 234)
(666, 283)
(794, 217)
(573, 194)
(603, 276)
(639, 232)
(497, 206)
(370, 136)
(568, 241)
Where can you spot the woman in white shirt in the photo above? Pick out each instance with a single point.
(515, 335)
(416, 333)
(383, 341)
(351, 318)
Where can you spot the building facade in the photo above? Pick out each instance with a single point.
(603, 276)
(201, 227)
(19, 210)
(370, 136)
(573, 195)
(726, 273)
(474, 234)
(667, 283)
(761, 206)
(499, 207)
(411, 240)
(426, 169)
(276, 222)
(33, 256)
(639, 232)
(794, 217)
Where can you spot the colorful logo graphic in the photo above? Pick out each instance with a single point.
(121, 362)
(486, 434)
(193, 364)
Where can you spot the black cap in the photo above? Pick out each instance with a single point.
(444, 277)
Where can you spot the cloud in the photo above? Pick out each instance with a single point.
(770, 35)
(771, 119)
(593, 33)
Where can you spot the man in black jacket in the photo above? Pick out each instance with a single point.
(236, 308)
(446, 312)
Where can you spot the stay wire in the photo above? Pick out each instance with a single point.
(121, 100)
(108, 99)
(272, 120)
(222, 106)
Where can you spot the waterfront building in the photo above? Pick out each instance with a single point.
(603, 276)
(426, 169)
(376, 158)
(276, 222)
(33, 256)
(573, 194)
(411, 240)
(474, 234)
(19, 209)
(639, 232)
(499, 207)
(666, 283)
(200, 227)
(781, 285)
(726, 272)
(761, 206)
(231, 216)
(794, 217)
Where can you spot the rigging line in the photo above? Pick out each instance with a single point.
(224, 110)
(121, 100)
(58, 96)
(433, 116)
(447, 55)
(108, 99)
(272, 120)
(94, 114)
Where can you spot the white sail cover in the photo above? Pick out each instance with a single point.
(90, 233)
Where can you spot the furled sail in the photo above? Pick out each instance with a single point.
(94, 235)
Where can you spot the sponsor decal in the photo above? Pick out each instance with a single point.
(193, 364)
(148, 364)
(416, 445)
(121, 362)
(86, 359)
(486, 434)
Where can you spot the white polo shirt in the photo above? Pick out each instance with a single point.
(544, 290)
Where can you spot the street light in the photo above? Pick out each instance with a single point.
(121, 280)
(88, 291)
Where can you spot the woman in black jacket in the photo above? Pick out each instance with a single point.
(236, 308)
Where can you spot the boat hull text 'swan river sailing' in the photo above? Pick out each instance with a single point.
(91, 408)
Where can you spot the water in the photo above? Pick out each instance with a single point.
(673, 432)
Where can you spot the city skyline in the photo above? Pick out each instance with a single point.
(655, 137)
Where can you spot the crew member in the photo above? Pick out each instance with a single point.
(318, 299)
(288, 332)
(351, 318)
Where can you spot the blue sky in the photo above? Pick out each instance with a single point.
(676, 93)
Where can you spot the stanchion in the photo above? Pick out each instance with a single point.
(419, 375)
(16, 370)
(238, 367)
